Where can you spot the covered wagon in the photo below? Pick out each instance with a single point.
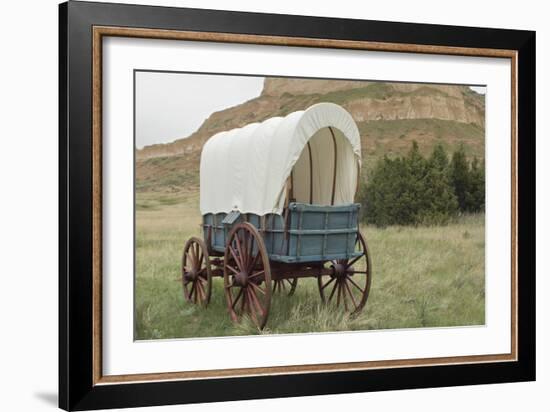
(277, 204)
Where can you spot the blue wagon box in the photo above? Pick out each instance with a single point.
(315, 233)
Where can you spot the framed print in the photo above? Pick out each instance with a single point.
(257, 205)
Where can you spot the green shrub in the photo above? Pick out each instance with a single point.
(413, 190)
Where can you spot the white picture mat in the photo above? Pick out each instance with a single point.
(121, 355)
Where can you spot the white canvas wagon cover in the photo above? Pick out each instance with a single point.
(248, 169)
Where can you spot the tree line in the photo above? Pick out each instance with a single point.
(414, 190)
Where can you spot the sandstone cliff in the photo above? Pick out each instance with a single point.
(389, 117)
(366, 101)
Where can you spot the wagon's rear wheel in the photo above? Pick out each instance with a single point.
(247, 275)
(349, 284)
(285, 286)
(196, 273)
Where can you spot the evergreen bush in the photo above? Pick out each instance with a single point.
(413, 190)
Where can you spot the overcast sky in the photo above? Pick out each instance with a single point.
(479, 89)
(171, 106)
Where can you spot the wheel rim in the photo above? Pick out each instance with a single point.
(349, 285)
(285, 286)
(247, 275)
(196, 272)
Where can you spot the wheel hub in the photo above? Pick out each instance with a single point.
(340, 270)
(191, 275)
(241, 279)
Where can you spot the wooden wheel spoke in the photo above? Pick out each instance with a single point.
(200, 294)
(195, 256)
(237, 259)
(284, 286)
(261, 272)
(201, 259)
(342, 286)
(250, 305)
(243, 300)
(232, 269)
(240, 251)
(332, 292)
(245, 254)
(239, 295)
(248, 250)
(189, 258)
(256, 287)
(351, 295)
(355, 284)
(254, 262)
(255, 301)
(196, 294)
(199, 251)
(328, 283)
(344, 299)
(191, 291)
(355, 259)
(338, 294)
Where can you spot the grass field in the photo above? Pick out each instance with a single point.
(423, 277)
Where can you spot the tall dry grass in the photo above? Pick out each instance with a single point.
(423, 277)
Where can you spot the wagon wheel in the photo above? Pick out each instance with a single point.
(349, 284)
(247, 275)
(285, 286)
(196, 272)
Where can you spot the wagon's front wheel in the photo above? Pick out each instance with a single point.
(349, 284)
(247, 275)
(196, 273)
